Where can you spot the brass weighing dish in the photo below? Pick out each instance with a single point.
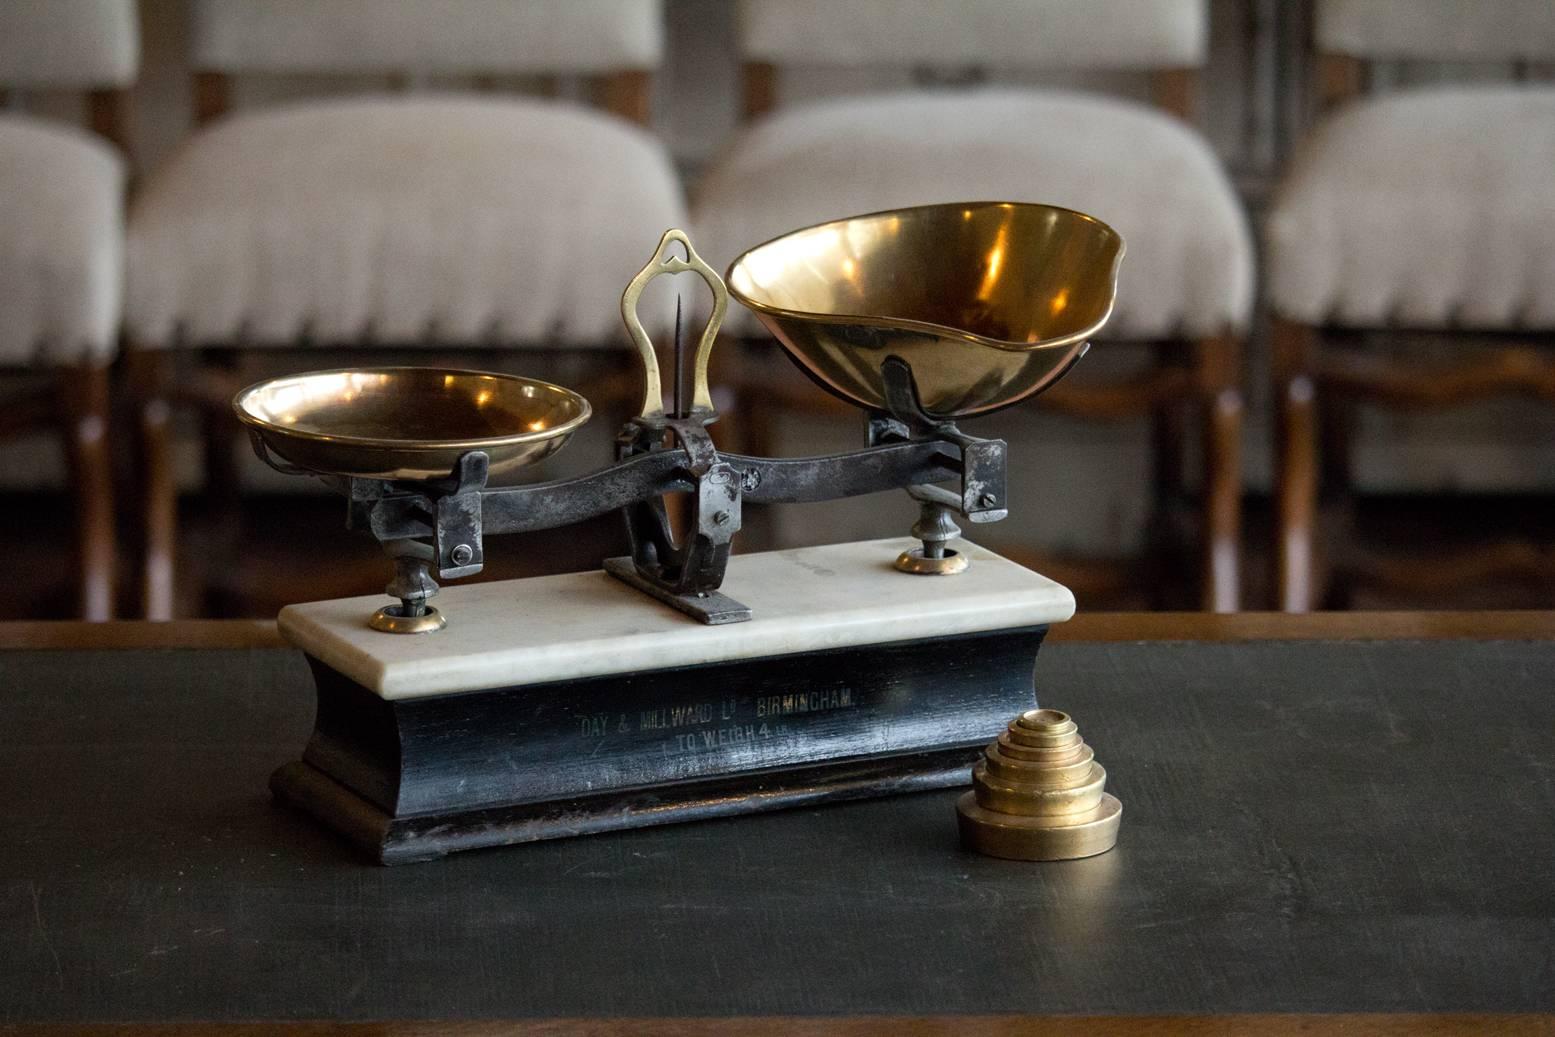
(986, 302)
(408, 422)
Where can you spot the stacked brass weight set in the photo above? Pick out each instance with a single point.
(920, 317)
(1038, 794)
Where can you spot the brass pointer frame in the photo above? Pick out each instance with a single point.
(665, 262)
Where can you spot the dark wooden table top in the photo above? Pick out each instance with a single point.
(1330, 814)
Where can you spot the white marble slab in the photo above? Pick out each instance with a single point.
(549, 628)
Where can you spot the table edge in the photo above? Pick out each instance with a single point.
(1351, 1024)
(1085, 627)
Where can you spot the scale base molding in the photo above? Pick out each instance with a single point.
(406, 840)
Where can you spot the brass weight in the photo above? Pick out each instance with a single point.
(1038, 794)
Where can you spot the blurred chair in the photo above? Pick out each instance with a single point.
(1422, 212)
(1187, 280)
(61, 247)
(438, 220)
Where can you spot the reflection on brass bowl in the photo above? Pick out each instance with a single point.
(987, 302)
(408, 422)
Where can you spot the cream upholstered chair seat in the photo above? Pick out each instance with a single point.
(398, 221)
(1431, 208)
(1018, 33)
(1189, 267)
(61, 244)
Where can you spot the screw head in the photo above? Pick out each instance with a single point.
(720, 518)
(987, 500)
(462, 554)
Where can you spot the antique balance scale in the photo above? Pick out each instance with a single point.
(680, 682)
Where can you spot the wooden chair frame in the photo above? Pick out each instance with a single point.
(77, 407)
(1205, 376)
(1320, 377)
(624, 92)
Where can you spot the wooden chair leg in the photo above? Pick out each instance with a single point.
(1296, 576)
(84, 417)
(1220, 368)
(220, 434)
(159, 491)
(1168, 433)
(1171, 526)
(1335, 516)
(222, 514)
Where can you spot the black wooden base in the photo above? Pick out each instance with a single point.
(413, 779)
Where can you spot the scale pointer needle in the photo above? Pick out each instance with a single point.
(680, 374)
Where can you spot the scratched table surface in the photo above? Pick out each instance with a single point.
(1334, 826)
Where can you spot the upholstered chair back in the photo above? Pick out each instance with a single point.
(1437, 30)
(426, 36)
(1164, 38)
(615, 44)
(68, 44)
(1033, 34)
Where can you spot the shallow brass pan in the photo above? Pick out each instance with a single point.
(408, 422)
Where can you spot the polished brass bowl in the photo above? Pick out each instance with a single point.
(408, 422)
(987, 302)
